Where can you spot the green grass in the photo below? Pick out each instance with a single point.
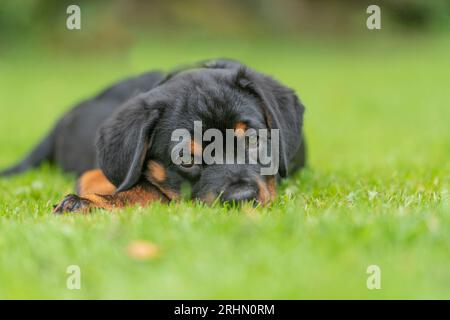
(376, 190)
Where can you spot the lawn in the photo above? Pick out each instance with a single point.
(376, 190)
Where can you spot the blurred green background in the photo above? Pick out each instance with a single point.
(106, 20)
(377, 124)
(117, 25)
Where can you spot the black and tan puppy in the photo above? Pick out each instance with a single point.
(120, 142)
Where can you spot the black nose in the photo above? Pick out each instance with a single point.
(239, 193)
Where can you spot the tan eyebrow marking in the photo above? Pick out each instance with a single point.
(196, 148)
(239, 128)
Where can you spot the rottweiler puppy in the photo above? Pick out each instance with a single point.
(120, 143)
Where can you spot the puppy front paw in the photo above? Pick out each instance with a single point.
(72, 203)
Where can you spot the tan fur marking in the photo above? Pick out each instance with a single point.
(172, 195)
(94, 181)
(266, 190)
(196, 148)
(156, 174)
(140, 195)
(272, 187)
(137, 195)
(239, 129)
(157, 171)
(98, 201)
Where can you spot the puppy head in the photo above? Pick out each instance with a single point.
(137, 141)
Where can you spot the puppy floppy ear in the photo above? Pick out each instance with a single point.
(123, 141)
(282, 110)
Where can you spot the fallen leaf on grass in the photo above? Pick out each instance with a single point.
(142, 250)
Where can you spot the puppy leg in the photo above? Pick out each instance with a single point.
(95, 191)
